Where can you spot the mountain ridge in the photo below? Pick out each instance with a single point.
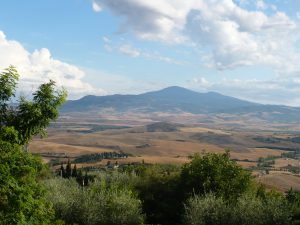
(178, 99)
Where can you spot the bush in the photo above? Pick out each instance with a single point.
(22, 198)
(99, 203)
(158, 188)
(247, 210)
(207, 210)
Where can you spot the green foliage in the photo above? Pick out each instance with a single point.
(74, 171)
(28, 118)
(101, 203)
(215, 173)
(248, 210)
(33, 117)
(164, 189)
(159, 190)
(8, 83)
(68, 170)
(207, 210)
(95, 157)
(22, 199)
(294, 200)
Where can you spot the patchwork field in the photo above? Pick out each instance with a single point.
(145, 140)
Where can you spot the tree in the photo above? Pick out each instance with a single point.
(79, 178)
(214, 173)
(74, 172)
(86, 179)
(28, 118)
(22, 198)
(247, 210)
(158, 188)
(68, 169)
(103, 202)
(62, 171)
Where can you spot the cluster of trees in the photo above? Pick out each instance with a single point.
(99, 156)
(106, 201)
(268, 162)
(210, 209)
(68, 173)
(292, 154)
(211, 189)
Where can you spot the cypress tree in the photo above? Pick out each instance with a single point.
(62, 171)
(68, 169)
(74, 172)
(86, 179)
(79, 178)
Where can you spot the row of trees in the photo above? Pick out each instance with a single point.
(95, 157)
(68, 173)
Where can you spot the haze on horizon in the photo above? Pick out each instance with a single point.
(248, 49)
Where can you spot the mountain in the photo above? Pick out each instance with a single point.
(170, 99)
(178, 99)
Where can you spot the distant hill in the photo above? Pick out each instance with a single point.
(161, 127)
(178, 99)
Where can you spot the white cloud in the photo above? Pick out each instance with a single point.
(273, 7)
(151, 20)
(261, 5)
(284, 91)
(231, 36)
(96, 7)
(106, 39)
(129, 50)
(39, 66)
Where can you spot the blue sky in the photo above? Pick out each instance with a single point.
(248, 49)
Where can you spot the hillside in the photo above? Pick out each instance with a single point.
(172, 99)
(178, 99)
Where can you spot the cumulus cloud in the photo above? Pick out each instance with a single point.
(39, 66)
(231, 36)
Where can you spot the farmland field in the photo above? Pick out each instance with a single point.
(146, 140)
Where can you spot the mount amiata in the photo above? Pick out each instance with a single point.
(177, 99)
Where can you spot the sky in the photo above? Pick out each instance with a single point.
(249, 49)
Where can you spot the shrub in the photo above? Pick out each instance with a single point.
(22, 198)
(247, 210)
(97, 204)
(207, 210)
(158, 188)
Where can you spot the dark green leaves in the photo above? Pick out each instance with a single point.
(28, 118)
(8, 83)
(215, 173)
(22, 198)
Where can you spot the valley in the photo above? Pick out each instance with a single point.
(269, 151)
